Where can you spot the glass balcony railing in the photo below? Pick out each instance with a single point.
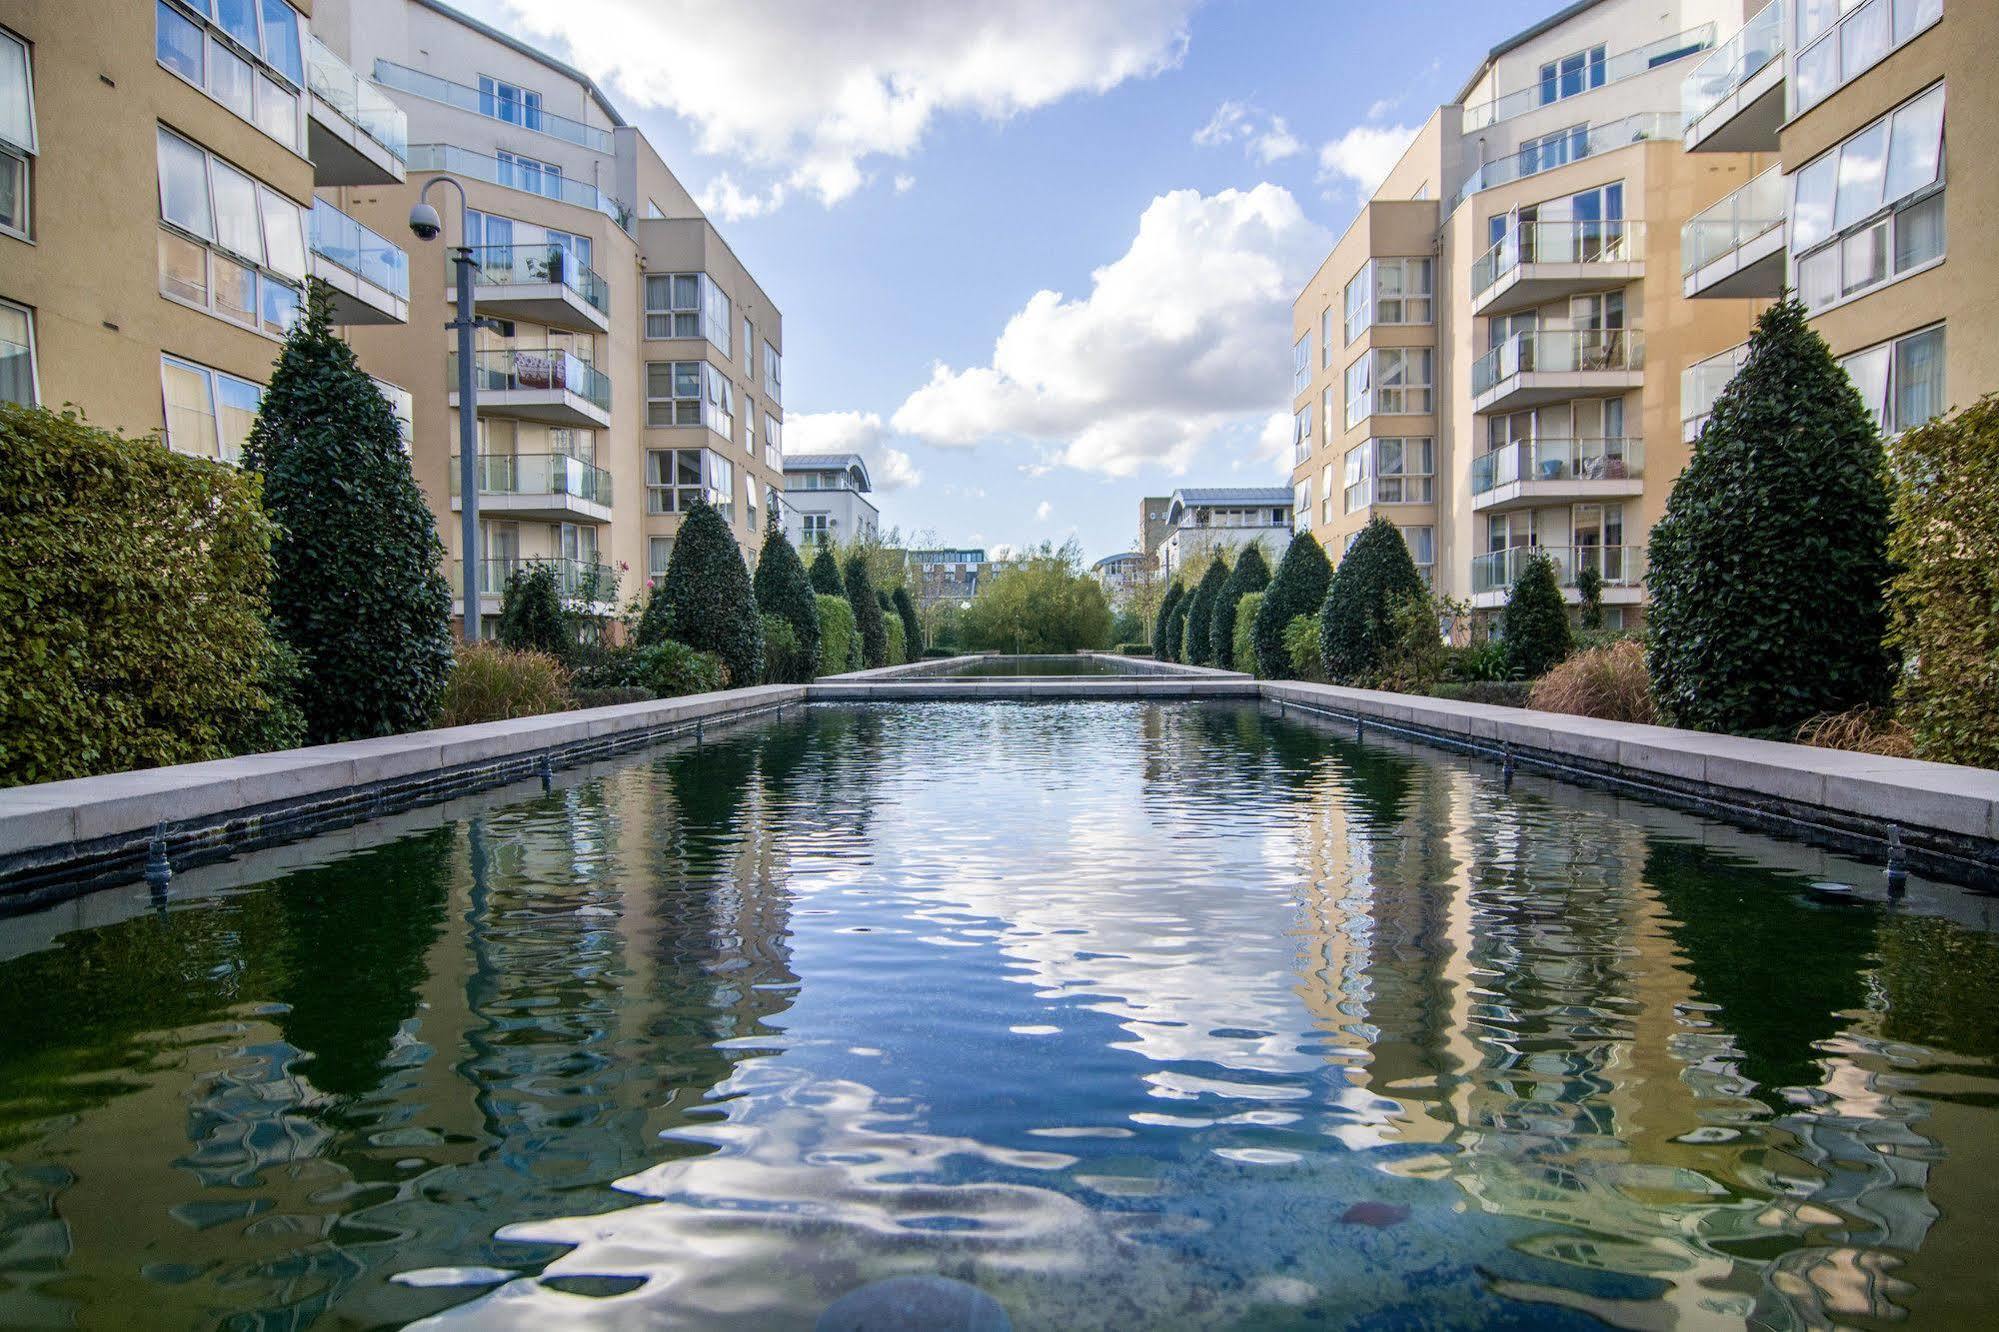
(574, 578)
(527, 264)
(1558, 85)
(340, 239)
(1754, 210)
(1619, 566)
(1557, 352)
(1574, 145)
(1733, 63)
(537, 474)
(518, 370)
(515, 174)
(1558, 460)
(431, 88)
(357, 99)
(1702, 382)
(1612, 241)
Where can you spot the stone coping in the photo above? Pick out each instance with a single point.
(986, 688)
(929, 668)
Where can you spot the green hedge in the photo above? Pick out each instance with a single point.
(1197, 647)
(670, 669)
(1133, 649)
(1298, 588)
(705, 600)
(1372, 581)
(783, 590)
(839, 638)
(897, 651)
(1250, 574)
(1536, 623)
(133, 605)
(1243, 650)
(1301, 647)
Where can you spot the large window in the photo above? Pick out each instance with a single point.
(1301, 505)
(17, 355)
(773, 440)
(1388, 291)
(689, 393)
(816, 528)
(773, 374)
(1575, 73)
(687, 305)
(1839, 40)
(1359, 477)
(1390, 471)
(509, 102)
(526, 173)
(1301, 434)
(1872, 209)
(230, 245)
(246, 54)
(1301, 363)
(675, 478)
(1422, 543)
(1902, 382)
(1389, 381)
(208, 413)
(17, 132)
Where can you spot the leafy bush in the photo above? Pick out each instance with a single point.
(825, 575)
(1944, 601)
(357, 588)
(1416, 656)
(1299, 588)
(1768, 568)
(1250, 574)
(937, 653)
(912, 628)
(1483, 659)
(1608, 683)
(531, 617)
(670, 668)
(1042, 601)
(1243, 649)
(491, 683)
(783, 590)
(898, 653)
(1129, 650)
(607, 697)
(705, 600)
(1537, 619)
(601, 666)
(1357, 623)
(1500, 693)
(867, 612)
(1163, 642)
(1861, 731)
(1176, 628)
(781, 651)
(133, 627)
(1301, 646)
(839, 641)
(1199, 644)
(1589, 587)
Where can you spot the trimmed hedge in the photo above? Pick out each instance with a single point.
(1301, 648)
(670, 669)
(1298, 588)
(1357, 623)
(783, 590)
(705, 600)
(1133, 649)
(1199, 649)
(898, 653)
(825, 575)
(839, 640)
(1243, 650)
(860, 590)
(1176, 628)
(781, 652)
(912, 628)
(1536, 623)
(1250, 574)
(1163, 641)
(133, 584)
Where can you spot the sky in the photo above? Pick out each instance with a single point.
(1035, 258)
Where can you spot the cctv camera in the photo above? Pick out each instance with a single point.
(423, 221)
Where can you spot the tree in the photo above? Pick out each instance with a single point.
(1251, 574)
(782, 590)
(705, 601)
(1298, 589)
(1536, 624)
(1201, 613)
(531, 618)
(1589, 587)
(1176, 628)
(1163, 645)
(1768, 568)
(1357, 622)
(912, 631)
(867, 613)
(357, 589)
(825, 575)
(1042, 601)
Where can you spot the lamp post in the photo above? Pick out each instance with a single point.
(427, 226)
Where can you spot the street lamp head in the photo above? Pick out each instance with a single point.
(424, 221)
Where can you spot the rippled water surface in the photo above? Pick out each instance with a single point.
(1044, 664)
(1131, 1015)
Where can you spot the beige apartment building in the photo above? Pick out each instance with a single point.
(1511, 348)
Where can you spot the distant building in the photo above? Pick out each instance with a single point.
(948, 575)
(1125, 570)
(1224, 517)
(826, 499)
(1152, 522)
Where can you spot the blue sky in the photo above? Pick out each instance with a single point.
(909, 179)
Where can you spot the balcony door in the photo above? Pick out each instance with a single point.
(1599, 539)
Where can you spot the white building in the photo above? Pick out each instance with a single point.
(826, 499)
(1224, 518)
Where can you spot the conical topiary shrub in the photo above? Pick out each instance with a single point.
(1768, 569)
(867, 613)
(912, 628)
(1299, 588)
(1164, 649)
(1357, 623)
(357, 588)
(782, 590)
(825, 575)
(1201, 612)
(705, 601)
(1251, 574)
(1536, 623)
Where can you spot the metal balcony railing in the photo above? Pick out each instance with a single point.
(1754, 210)
(432, 88)
(1733, 63)
(1623, 65)
(1558, 351)
(573, 577)
(507, 264)
(532, 178)
(1558, 460)
(358, 249)
(1602, 241)
(354, 97)
(516, 369)
(537, 474)
(1619, 566)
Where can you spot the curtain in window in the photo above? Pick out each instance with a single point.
(1919, 386)
(17, 378)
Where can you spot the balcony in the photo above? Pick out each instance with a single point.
(367, 277)
(550, 486)
(1561, 149)
(433, 89)
(1538, 262)
(543, 284)
(1622, 567)
(583, 581)
(1547, 471)
(1733, 102)
(553, 387)
(1701, 383)
(529, 179)
(1736, 248)
(1535, 368)
(1623, 65)
(355, 134)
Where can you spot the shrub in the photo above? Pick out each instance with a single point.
(1250, 574)
(1768, 567)
(1357, 623)
(1608, 683)
(898, 653)
(491, 683)
(1862, 731)
(1589, 587)
(1416, 656)
(1243, 650)
(867, 612)
(1482, 659)
(1044, 600)
(1536, 620)
(1125, 650)
(937, 653)
(1499, 693)
(670, 668)
(1301, 647)
(610, 696)
(1944, 600)
(1161, 647)
(600, 666)
(531, 612)
(1299, 588)
(825, 575)
(782, 654)
(705, 600)
(783, 590)
(912, 628)
(357, 588)
(133, 628)
(1176, 628)
(1199, 649)
(839, 642)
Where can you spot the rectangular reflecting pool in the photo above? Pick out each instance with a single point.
(1126, 1015)
(1045, 664)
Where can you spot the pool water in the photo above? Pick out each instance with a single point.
(1009, 666)
(1129, 1015)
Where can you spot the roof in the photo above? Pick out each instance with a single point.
(1253, 496)
(540, 57)
(1121, 556)
(1521, 38)
(829, 462)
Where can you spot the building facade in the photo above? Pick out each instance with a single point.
(1223, 518)
(826, 500)
(1124, 571)
(948, 575)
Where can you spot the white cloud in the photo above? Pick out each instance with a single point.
(904, 182)
(1276, 143)
(805, 94)
(1229, 123)
(1238, 122)
(1273, 442)
(1183, 335)
(725, 199)
(853, 432)
(1043, 509)
(1365, 154)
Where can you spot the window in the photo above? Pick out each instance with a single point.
(659, 554)
(1301, 363)
(1871, 210)
(676, 477)
(525, 173)
(773, 374)
(17, 133)
(816, 528)
(213, 58)
(1388, 291)
(1301, 505)
(749, 345)
(687, 305)
(1902, 382)
(1388, 381)
(17, 355)
(687, 393)
(1422, 543)
(1572, 74)
(402, 405)
(1359, 476)
(509, 102)
(253, 259)
(1839, 40)
(1404, 471)
(1553, 150)
(1301, 433)
(773, 441)
(208, 413)
(1360, 396)
(1359, 306)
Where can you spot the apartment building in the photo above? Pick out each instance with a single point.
(158, 219)
(1223, 518)
(948, 575)
(627, 362)
(1124, 571)
(826, 499)
(1152, 522)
